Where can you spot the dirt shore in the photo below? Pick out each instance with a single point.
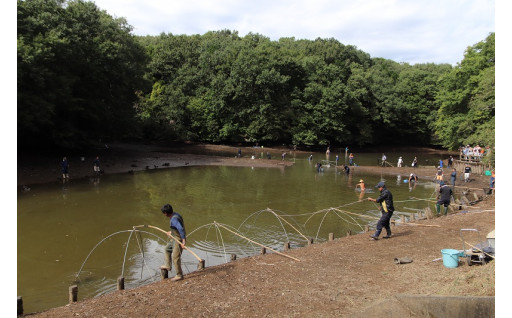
(338, 278)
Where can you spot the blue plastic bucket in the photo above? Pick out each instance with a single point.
(450, 258)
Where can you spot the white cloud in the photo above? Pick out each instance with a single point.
(416, 31)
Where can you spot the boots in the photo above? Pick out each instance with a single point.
(445, 211)
(438, 208)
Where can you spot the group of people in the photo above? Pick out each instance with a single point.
(64, 166)
(473, 153)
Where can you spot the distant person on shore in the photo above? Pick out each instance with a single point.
(383, 160)
(400, 162)
(239, 152)
(337, 159)
(283, 155)
(453, 178)
(174, 249)
(439, 174)
(96, 165)
(450, 162)
(441, 163)
(467, 173)
(310, 157)
(386, 207)
(445, 194)
(65, 169)
(415, 162)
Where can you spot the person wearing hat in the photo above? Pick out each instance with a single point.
(400, 161)
(445, 194)
(361, 185)
(174, 249)
(386, 201)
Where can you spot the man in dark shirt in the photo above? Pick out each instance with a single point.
(445, 195)
(386, 208)
(467, 172)
(174, 249)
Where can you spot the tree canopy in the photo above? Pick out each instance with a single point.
(83, 77)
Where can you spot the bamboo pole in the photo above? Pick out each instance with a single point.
(171, 236)
(259, 244)
(280, 217)
(479, 250)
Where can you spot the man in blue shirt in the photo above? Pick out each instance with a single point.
(174, 249)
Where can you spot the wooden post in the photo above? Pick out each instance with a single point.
(402, 218)
(20, 305)
(200, 265)
(263, 251)
(164, 273)
(310, 241)
(287, 246)
(73, 293)
(331, 236)
(367, 228)
(349, 232)
(120, 283)
(233, 257)
(412, 216)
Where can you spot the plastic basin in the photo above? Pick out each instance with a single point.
(450, 257)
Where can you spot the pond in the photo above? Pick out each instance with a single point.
(85, 227)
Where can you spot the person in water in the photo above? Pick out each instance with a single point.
(361, 185)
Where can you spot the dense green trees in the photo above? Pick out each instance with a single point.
(83, 76)
(466, 99)
(78, 70)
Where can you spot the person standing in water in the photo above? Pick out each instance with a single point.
(386, 201)
(174, 249)
(65, 169)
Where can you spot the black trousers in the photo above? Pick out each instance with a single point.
(384, 223)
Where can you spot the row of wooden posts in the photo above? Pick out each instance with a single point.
(164, 273)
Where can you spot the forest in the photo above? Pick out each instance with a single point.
(83, 78)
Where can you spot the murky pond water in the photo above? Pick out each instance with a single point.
(59, 225)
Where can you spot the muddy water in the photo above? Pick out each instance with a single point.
(60, 224)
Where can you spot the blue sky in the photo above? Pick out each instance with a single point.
(412, 31)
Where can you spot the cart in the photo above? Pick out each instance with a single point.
(479, 254)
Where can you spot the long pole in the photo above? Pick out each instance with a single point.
(171, 236)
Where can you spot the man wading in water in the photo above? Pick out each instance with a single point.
(386, 208)
(173, 248)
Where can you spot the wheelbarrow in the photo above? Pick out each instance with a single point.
(478, 254)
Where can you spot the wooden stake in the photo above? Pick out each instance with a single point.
(164, 273)
(263, 251)
(120, 283)
(349, 232)
(20, 305)
(402, 218)
(310, 241)
(73, 293)
(287, 246)
(331, 236)
(200, 265)
(367, 228)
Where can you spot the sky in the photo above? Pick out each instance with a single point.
(411, 31)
